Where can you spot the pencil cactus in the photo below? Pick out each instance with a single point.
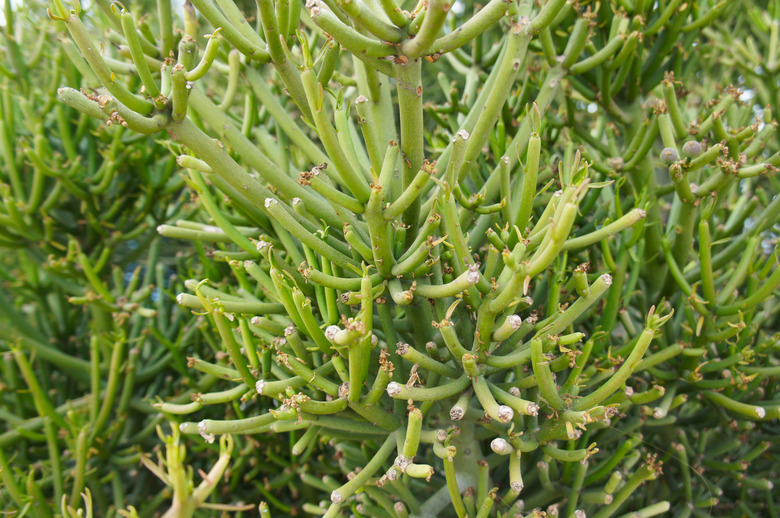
(499, 260)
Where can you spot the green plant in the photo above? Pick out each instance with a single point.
(85, 335)
(558, 265)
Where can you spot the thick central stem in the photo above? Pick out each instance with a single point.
(410, 105)
(468, 452)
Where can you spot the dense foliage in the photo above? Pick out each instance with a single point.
(378, 258)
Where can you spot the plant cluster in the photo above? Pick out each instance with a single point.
(432, 259)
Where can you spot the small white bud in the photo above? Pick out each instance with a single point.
(259, 385)
(499, 445)
(514, 321)
(269, 202)
(330, 332)
(393, 388)
(336, 497)
(505, 414)
(180, 298)
(607, 279)
(457, 413)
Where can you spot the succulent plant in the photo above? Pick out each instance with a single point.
(441, 270)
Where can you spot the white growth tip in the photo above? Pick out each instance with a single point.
(514, 321)
(330, 332)
(505, 414)
(269, 202)
(457, 413)
(259, 385)
(607, 279)
(499, 445)
(393, 388)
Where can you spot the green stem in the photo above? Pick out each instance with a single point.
(410, 106)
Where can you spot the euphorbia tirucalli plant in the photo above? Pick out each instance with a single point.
(479, 251)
